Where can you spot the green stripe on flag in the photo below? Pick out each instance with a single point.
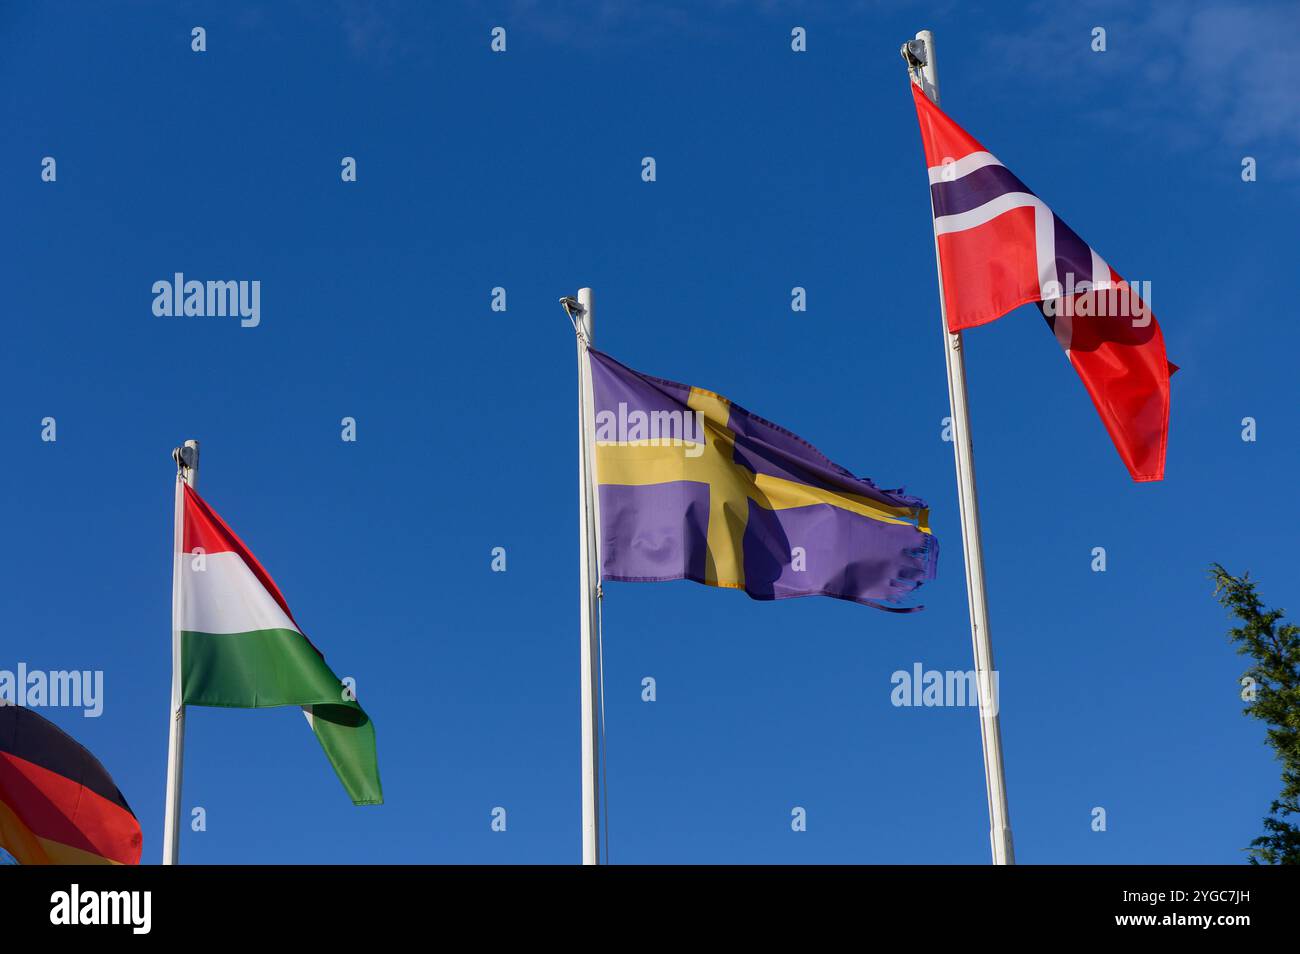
(278, 667)
(347, 735)
(267, 667)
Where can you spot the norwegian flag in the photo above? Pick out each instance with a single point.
(1000, 247)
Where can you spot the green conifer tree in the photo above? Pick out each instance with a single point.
(1271, 690)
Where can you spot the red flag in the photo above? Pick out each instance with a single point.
(1000, 246)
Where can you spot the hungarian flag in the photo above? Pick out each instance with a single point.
(242, 648)
(1001, 247)
(58, 806)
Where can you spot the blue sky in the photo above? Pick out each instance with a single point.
(522, 170)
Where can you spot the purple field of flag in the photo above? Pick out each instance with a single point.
(694, 487)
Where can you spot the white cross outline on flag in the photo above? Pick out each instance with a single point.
(1049, 284)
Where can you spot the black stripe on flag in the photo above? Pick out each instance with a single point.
(35, 739)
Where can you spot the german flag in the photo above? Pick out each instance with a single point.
(58, 806)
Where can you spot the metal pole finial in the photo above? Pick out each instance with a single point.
(186, 456)
(914, 53)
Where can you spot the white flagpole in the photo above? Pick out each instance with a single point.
(920, 57)
(590, 581)
(187, 469)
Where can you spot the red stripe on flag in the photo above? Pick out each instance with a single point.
(204, 528)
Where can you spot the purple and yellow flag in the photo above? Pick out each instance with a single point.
(694, 487)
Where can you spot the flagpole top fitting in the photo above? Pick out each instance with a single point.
(186, 456)
(914, 54)
(577, 313)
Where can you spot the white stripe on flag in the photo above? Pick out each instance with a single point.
(221, 595)
(1100, 272)
(990, 210)
(952, 171)
(1049, 285)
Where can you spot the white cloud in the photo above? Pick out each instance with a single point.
(1192, 75)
